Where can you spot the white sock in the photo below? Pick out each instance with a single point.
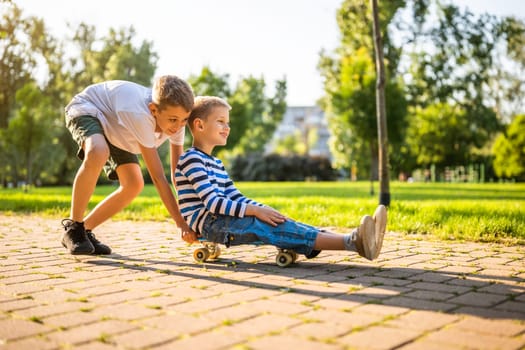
(349, 240)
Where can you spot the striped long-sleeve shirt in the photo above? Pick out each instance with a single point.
(203, 186)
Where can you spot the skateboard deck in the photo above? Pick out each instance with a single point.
(211, 251)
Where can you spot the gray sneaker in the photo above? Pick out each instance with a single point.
(380, 219)
(365, 240)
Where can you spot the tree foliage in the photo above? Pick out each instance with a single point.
(349, 82)
(453, 82)
(509, 150)
(38, 80)
(21, 43)
(452, 76)
(253, 117)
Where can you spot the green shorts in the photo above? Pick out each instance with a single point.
(84, 126)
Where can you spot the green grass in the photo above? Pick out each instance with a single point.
(474, 212)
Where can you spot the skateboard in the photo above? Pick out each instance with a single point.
(211, 251)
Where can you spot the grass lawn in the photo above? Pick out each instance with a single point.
(474, 212)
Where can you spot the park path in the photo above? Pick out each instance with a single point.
(150, 294)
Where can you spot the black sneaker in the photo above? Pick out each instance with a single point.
(100, 248)
(312, 254)
(75, 239)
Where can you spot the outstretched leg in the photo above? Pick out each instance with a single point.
(367, 239)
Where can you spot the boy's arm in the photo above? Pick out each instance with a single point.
(156, 171)
(175, 152)
(266, 214)
(193, 169)
(236, 195)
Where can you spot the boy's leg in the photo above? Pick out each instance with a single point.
(131, 184)
(297, 236)
(367, 239)
(94, 151)
(362, 240)
(124, 167)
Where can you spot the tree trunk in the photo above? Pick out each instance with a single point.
(384, 181)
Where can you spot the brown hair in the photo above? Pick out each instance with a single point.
(170, 90)
(204, 106)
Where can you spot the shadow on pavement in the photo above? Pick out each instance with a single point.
(489, 296)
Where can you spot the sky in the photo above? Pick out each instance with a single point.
(272, 39)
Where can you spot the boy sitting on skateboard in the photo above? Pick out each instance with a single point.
(214, 208)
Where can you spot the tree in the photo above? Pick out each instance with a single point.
(96, 59)
(441, 134)
(384, 193)
(509, 150)
(25, 143)
(465, 65)
(349, 83)
(254, 117)
(18, 50)
(457, 57)
(118, 58)
(28, 52)
(208, 83)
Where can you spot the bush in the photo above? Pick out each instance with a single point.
(274, 167)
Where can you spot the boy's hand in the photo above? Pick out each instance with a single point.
(188, 235)
(267, 214)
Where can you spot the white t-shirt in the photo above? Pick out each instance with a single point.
(122, 108)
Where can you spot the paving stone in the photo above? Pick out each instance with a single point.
(379, 337)
(319, 331)
(30, 344)
(215, 339)
(102, 330)
(474, 340)
(429, 295)
(11, 329)
(262, 325)
(508, 328)
(181, 324)
(289, 342)
(491, 313)
(47, 310)
(478, 299)
(143, 338)
(422, 320)
(419, 304)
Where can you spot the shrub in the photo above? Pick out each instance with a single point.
(274, 167)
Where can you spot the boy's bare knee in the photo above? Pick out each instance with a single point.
(131, 180)
(96, 152)
(133, 187)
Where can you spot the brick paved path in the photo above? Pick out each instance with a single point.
(151, 295)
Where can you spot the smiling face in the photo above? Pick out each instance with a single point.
(212, 130)
(170, 119)
(210, 122)
(217, 126)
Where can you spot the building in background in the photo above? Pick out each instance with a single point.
(303, 130)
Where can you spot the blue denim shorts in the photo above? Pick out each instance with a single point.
(230, 230)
